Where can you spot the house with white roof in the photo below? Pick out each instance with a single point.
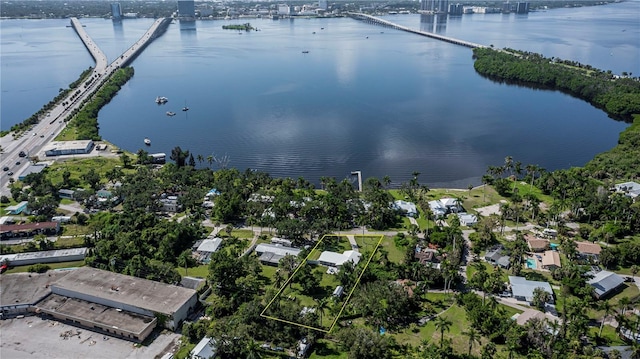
(467, 219)
(408, 208)
(207, 248)
(271, 254)
(630, 189)
(522, 289)
(333, 259)
(205, 349)
(444, 206)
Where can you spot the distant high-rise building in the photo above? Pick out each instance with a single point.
(506, 7)
(322, 4)
(456, 9)
(284, 9)
(116, 11)
(522, 8)
(186, 9)
(434, 6)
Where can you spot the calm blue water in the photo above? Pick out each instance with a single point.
(364, 97)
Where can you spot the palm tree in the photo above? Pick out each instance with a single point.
(608, 309)
(200, 159)
(386, 181)
(623, 303)
(210, 160)
(252, 350)
(489, 351)
(322, 305)
(486, 179)
(442, 325)
(634, 271)
(474, 337)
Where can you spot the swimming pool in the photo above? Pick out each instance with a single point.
(531, 263)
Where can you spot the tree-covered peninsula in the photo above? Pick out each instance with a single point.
(619, 96)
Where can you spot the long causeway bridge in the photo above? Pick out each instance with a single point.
(378, 21)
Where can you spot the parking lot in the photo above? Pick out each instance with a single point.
(33, 337)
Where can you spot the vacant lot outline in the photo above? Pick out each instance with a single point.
(304, 262)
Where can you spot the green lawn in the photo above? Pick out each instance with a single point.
(609, 336)
(79, 166)
(22, 269)
(395, 254)
(242, 233)
(201, 271)
(326, 349)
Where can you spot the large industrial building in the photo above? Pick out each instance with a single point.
(59, 148)
(54, 256)
(109, 303)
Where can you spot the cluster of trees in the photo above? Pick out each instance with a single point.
(85, 121)
(622, 161)
(246, 27)
(139, 243)
(619, 97)
(35, 118)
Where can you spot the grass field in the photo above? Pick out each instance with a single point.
(291, 289)
(79, 166)
(201, 271)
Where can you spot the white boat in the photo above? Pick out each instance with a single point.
(147, 141)
(161, 100)
(169, 113)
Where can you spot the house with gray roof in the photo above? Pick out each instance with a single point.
(605, 283)
(271, 254)
(522, 289)
(629, 189)
(497, 257)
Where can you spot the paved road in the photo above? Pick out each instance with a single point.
(34, 141)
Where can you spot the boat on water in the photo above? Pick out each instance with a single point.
(185, 108)
(169, 113)
(147, 141)
(305, 51)
(160, 100)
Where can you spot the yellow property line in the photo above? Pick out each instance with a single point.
(346, 300)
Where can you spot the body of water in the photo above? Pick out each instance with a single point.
(363, 98)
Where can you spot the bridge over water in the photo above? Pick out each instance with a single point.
(378, 21)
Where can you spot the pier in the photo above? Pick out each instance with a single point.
(378, 21)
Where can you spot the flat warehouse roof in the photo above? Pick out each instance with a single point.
(104, 316)
(142, 293)
(27, 288)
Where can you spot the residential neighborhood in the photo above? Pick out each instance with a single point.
(287, 269)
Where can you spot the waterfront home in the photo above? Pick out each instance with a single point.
(444, 206)
(408, 208)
